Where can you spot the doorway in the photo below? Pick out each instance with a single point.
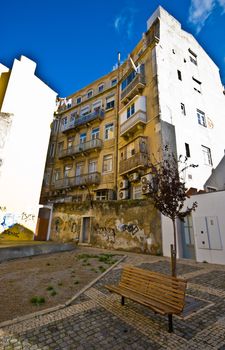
(187, 237)
(85, 230)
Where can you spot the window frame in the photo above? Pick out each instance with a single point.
(107, 130)
(201, 118)
(207, 156)
(90, 92)
(107, 162)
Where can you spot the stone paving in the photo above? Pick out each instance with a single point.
(96, 320)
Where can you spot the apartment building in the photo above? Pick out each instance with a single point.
(167, 92)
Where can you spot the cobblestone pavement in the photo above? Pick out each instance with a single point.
(96, 320)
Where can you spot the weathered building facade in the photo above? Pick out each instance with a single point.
(104, 135)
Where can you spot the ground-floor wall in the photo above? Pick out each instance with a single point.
(131, 225)
(205, 229)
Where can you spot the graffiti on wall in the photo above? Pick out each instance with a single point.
(133, 229)
(67, 226)
(7, 219)
(108, 233)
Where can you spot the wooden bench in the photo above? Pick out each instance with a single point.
(162, 293)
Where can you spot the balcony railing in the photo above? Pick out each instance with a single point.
(139, 160)
(84, 147)
(134, 88)
(136, 121)
(81, 180)
(83, 119)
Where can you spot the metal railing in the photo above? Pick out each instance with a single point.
(83, 119)
(136, 161)
(82, 147)
(81, 180)
(137, 118)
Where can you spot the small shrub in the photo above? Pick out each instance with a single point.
(48, 264)
(37, 300)
(60, 284)
(76, 282)
(53, 292)
(102, 268)
(49, 288)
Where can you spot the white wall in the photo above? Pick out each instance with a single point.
(172, 54)
(32, 104)
(210, 205)
(140, 105)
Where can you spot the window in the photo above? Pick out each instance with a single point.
(64, 121)
(69, 142)
(60, 146)
(67, 170)
(79, 100)
(101, 88)
(56, 175)
(85, 110)
(187, 150)
(52, 150)
(95, 133)
(130, 110)
(179, 75)
(55, 126)
(107, 163)
(201, 118)
(197, 85)
(83, 137)
(102, 195)
(137, 192)
(97, 105)
(128, 80)
(79, 168)
(182, 107)
(110, 102)
(130, 150)
(207, 158)
(113, 82)
(92, 166)
(193, 57)
(109, 131)
(90, 94)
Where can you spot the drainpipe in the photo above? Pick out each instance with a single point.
(117, 125)
(50, 206)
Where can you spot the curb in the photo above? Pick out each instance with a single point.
(60, 306)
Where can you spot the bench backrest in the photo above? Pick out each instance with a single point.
(162, 288)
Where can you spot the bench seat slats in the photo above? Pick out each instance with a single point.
(170, 299)
(151, 303)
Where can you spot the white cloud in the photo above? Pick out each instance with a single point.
(124, 22)
(201, 10)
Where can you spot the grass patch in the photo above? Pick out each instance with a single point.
(53, 293)
(102, 268)
(76, 282)
(37, 300)
(60, 284)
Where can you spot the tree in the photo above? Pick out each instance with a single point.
(168, 191)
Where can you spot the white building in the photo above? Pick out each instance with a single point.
(191, 98)
(26, 105)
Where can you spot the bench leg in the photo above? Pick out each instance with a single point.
(122, 300)
(170, 319)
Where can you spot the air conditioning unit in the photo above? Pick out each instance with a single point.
(123, 184)
(146, 179)
(134, 177)
(144, 183)
(123, 194)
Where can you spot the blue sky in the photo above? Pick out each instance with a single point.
(75, 42)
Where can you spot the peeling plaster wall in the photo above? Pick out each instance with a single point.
(132, 225)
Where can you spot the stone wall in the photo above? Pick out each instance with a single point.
(131, 225)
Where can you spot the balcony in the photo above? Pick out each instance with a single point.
(84, 148)
(76, 181)
(139, 160)
(134, 123)
(134, 88)
(82, 120)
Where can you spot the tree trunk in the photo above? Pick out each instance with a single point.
(174, 251)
